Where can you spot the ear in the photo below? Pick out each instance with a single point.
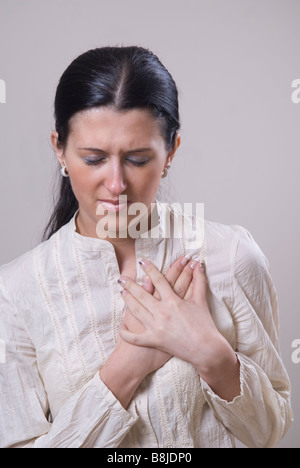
(176, 146)
(57, 148)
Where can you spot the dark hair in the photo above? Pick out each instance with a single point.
(123, 77)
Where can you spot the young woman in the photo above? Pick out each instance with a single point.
(188, 354)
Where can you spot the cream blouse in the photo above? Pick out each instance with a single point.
(60, 308)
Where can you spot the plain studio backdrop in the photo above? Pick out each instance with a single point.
(234, 62)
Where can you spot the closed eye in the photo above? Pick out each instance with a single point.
(95, 162)
(138, 163)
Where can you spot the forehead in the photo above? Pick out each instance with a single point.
(107, 126)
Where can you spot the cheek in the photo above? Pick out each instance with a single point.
(149, 182)
(83, 181)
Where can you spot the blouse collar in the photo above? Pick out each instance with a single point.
(91, 244)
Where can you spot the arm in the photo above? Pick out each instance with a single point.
(261, 415)
(183, 327)
(247, 388)
(95, 415)
(128, 365)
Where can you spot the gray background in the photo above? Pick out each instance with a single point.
(234, 62)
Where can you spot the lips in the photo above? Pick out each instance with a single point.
(113, 205)
(112, 202)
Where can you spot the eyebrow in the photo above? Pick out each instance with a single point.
(98, 150)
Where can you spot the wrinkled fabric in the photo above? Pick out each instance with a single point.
(60, 308)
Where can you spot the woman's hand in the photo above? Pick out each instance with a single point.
(128, 364)
(171, 323)
(180, 278)
(182, 327)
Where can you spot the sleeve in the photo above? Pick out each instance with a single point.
(261, 414)
(91, 417)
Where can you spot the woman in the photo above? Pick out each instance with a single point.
(185, 356)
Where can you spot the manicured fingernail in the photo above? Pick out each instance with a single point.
(184, 261)
(146, 279)
(193, 264)
(122, 280)
(123, 292)
(202, 266)
(143, 262)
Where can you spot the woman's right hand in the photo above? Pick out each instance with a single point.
(128, 364)
(180, 276)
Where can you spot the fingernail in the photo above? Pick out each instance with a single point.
(202, 266)
(146, 279)
(193, 264)
(123, 292)
(143, 262)
(122, 280)
(184, 261)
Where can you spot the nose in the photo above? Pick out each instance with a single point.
(115, 181)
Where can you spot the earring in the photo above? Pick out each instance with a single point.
(64, 172)
(165, 172)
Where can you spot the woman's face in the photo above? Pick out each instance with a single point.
(111, 153)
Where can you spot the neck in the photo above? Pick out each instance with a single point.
(89, 228)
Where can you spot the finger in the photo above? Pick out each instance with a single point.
(172, 273)
(179, 277)
(148, 285)
(132, 323)
(185, 279)
(200, 284)
(158, 279)
(175, 270)
(139, 293)
(136, 308)
(189, 294)
(138, 339)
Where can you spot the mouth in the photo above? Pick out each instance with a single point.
(113, 205)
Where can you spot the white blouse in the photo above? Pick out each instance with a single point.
(60, 308)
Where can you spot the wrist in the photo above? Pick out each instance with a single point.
(122, 377)
(221, 369)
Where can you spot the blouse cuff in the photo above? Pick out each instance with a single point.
(130, 415)
(213, 397)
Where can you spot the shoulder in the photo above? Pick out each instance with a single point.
(233, 253)
(18, 274)
(18, 271)
(219, 234)
(236, 240)
(249, 260)
(229, 246)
